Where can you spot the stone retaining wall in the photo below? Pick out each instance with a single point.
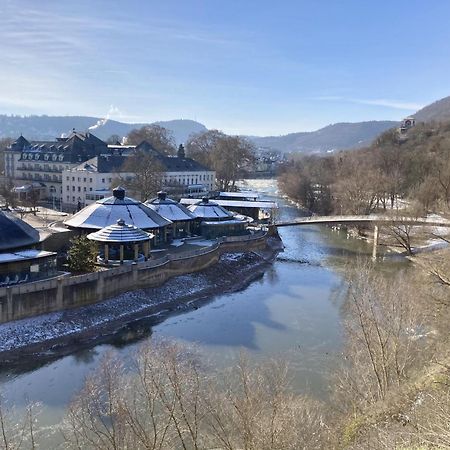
(65, 291)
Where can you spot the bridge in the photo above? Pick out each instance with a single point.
(376, 220)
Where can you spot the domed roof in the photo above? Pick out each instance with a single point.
(15, 233)
(109, 210)
(209, 210)
(120, 233)
(169, 209)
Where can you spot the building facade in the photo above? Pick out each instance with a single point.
(28, 163)
(94, 179)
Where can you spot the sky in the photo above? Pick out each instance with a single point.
(245, 67)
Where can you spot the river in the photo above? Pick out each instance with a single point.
(291, 311)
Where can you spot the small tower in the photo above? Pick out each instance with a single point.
(181, 153)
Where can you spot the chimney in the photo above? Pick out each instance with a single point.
(162, 195)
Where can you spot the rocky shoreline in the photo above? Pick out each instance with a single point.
(54, 335)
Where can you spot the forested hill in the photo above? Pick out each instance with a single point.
(337, 136)
(49, 127)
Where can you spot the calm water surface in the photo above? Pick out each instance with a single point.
(291, 312)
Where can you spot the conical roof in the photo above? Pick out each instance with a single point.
(15, 233)
(120, 233)
(209, 210)
(109, 210)
(169, 209)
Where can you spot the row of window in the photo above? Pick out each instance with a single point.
(46, 157)
(79, 189)
(90, 179)
(38, 176)
(42, 167)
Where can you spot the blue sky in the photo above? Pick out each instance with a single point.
(251, 67)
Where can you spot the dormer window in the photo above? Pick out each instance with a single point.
(55, 157)
(46, 157)
(61, 157)
(36, 156)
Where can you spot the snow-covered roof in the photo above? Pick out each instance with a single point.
(169, 209)
(206, 209)
(109, 210)
(24, 254)
(120, 233)
(239, 195)
(234, 203)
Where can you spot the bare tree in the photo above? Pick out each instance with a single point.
(157, 136)
(227, 155)
(148, 174)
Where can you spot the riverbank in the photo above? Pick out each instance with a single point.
(56, 334)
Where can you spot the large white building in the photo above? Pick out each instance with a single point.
(95, 178)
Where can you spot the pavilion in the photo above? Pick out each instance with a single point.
(20, 260)
(122, 243)
(109, 210)
(182, 219)
(214, 220)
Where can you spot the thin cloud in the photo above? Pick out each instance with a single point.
(394, 104)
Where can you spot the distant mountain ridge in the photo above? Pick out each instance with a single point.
(338, 136)
(50, 127)
(332, 137)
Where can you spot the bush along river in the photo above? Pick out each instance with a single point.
(290, 309)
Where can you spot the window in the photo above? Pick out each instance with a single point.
(90, 189)
(84, 189)
(84, 179)
(103, 180)
(68, 198)
(109, 180)
(79, 179)
(73, 178)
(79, 189)
(67, 188)
(90, 180)
(73, 188)
(67, 179)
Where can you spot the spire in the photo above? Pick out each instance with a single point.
(181, 153)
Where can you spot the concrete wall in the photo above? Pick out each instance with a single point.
(65, 291)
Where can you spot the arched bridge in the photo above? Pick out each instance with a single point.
(376, 220)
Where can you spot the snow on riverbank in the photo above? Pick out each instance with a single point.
(175, 292)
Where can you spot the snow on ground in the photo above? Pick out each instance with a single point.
(21, 333)
(49, 326)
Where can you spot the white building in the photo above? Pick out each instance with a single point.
(94, 179)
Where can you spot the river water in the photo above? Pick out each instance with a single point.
(292, 311)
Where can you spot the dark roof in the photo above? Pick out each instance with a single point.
(15, 233)
(77, 147)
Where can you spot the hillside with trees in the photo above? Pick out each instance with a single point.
(415, 166)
